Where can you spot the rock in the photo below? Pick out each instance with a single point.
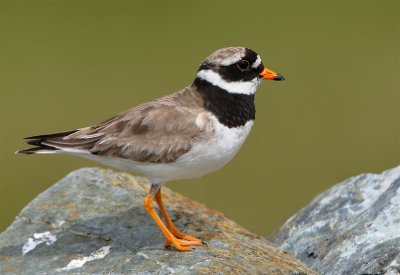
(352, 228)
(93, 222)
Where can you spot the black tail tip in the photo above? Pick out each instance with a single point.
(25, 151)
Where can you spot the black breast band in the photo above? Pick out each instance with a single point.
(232, 110)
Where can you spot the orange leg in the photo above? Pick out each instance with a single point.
(172, 228)
(180, 245)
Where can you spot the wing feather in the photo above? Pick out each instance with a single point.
(159, 131)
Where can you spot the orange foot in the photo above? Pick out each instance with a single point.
(182, 238)
(180, 244)
(187, 239)
(173, 236)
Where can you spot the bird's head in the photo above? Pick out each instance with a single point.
(235, 69)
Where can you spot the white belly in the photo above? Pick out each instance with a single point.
(203, 158)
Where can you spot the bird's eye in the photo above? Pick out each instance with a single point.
(243, 65)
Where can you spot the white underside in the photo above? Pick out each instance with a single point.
(203, 158)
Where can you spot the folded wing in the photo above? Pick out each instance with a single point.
(158, 132)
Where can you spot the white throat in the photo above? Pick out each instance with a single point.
(235, 87)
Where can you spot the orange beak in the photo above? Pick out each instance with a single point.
(270, 75)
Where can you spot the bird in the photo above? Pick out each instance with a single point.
(183, 135)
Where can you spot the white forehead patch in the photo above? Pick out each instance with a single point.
(257, 62)
(235, 87)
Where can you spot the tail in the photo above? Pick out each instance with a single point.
(46, 144)
(80, 140)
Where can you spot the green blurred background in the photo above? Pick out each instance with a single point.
(69, 64)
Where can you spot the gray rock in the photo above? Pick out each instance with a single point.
(352, 228)
(93, 222)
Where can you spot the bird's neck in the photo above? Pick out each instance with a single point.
(231, 109)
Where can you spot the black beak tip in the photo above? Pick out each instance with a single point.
(279, 77)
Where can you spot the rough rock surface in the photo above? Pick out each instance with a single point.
(93, 222)
(352, 228)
